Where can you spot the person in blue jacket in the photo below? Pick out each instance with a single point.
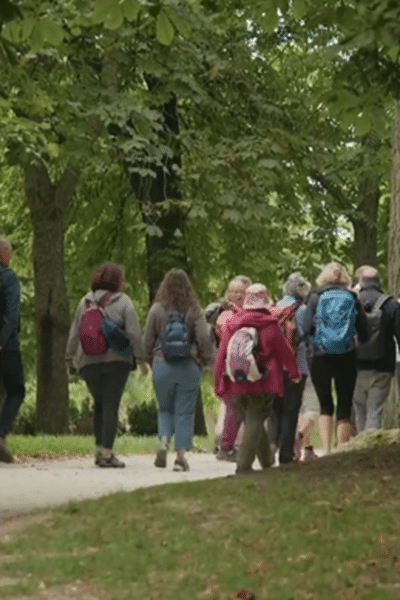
(11, 370)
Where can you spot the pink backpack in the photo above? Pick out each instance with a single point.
(89, 331)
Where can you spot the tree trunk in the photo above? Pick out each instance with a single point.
(165, 247)
(391, 410)
(48, 204)
(365, 221)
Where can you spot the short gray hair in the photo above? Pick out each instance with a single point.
(297, 285)
(368, 276)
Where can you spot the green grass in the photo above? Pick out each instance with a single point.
(82, 445)
(327, 530)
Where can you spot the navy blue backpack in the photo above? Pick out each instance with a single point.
(175, 342)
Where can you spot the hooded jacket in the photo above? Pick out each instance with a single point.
(275, 355)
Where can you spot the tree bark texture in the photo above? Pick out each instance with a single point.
(48, 203)
(168, 249)
(391, 410)
(365, 220)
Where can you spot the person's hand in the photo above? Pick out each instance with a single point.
(143, 369)
(297, 380)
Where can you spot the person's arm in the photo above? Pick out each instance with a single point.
(10, 319)
(396, 322)
(150, 335)
(361, 322)
(202, 338)
(73, 338)
(132, 329)
(286, 355)
(308, 319)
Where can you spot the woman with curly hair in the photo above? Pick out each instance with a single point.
(176, 380)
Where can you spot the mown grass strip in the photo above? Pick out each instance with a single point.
(324, 531)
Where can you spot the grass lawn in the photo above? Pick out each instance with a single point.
(47, 446)
(326, 530)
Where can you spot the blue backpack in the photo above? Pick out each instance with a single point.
(175, 343)
(335, 319)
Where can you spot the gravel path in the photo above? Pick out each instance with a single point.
(39, 483)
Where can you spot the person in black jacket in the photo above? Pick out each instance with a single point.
(11, 369)
(375, 367)
(339, 366)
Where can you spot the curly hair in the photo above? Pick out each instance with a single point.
(177, 291)
(334, 272)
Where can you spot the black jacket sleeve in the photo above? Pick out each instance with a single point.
(361, 323)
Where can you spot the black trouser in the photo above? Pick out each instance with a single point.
(342, 369)
(282, 423)
(12, 374)
(106, 383)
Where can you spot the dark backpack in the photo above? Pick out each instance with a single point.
(335, 319)
(117, 339)
(174, 341)
(374, 348)
(90, 331)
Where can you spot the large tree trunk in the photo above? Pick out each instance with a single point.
(48, 204)
(365, 221)
(165, 247)
(391, 411)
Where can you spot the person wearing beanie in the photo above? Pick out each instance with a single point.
(254, 398)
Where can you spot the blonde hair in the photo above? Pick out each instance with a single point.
(334, 272)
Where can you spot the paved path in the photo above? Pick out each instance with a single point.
(37, 484)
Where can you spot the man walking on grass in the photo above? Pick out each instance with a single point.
(11, 370)
(376, 357)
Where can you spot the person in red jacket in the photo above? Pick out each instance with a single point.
(254, 398)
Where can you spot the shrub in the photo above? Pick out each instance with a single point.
(143, 418)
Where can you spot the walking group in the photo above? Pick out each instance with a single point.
(266, 358)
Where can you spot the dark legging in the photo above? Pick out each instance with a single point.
(282, 423)
(106, 383)
(342, 369)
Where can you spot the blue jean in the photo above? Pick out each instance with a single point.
(177, 385)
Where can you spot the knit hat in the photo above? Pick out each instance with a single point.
(256, 297)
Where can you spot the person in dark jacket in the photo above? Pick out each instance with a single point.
(374, 376)
(338, 367)
(11, 370)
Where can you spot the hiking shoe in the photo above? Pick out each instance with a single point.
(181, 464)
(110, 461)
(5, 455)
(309, 454)
(97, 455)
(161, 459)
(244, 470)
(229, 455)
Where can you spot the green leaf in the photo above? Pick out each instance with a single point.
(102, 9)
(270, 19)
(36, 38)
(298, 9)
(131, 9)
(51, 32)
(180, 24)
(363, 124)
(114, 19)
(164, 29)
(268, 163)
(53, 150)
(153, 231)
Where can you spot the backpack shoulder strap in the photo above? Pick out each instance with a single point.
(104, 300)
(380, 302)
